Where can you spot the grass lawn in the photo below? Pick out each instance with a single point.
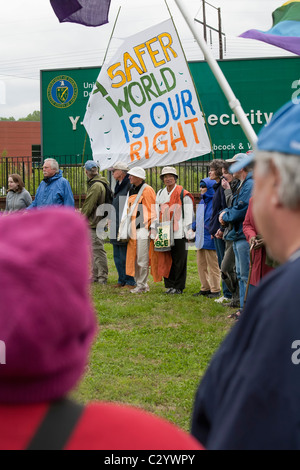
(152, 349)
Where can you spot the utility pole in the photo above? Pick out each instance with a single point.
(220, 34)
(211, 28)
(204, 20)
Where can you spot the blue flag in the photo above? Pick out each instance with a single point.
(85, 12)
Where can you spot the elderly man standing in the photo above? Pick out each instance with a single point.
(249, 396)
(120, 174)
(95, 196)
(54, 190)
(141, 206)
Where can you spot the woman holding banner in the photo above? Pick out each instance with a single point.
(171, 230)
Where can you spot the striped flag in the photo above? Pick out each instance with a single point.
(285, 32)
(85, 12)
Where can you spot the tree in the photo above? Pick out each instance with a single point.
(35, 116)
(7, 119)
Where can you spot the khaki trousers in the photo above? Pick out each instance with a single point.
(208, 270)
(142, 258)
(99, 258)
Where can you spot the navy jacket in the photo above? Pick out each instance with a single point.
(120, 193)
(218, 203)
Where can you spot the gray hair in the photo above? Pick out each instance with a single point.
(93, 171)
(54, 164)
(288, 167)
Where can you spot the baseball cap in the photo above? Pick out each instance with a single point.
(237, 156)
(90, 164)
(282, 134)
(119, 166)
(241, 161)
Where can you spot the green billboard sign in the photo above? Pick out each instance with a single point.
(261, 86)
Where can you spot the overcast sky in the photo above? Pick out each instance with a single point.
(32, 39)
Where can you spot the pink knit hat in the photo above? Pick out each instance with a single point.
(47, 321)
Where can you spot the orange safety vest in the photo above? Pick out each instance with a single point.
(161, 261)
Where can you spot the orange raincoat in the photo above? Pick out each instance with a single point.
(148, 200)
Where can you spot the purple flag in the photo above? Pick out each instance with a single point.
(86, 12)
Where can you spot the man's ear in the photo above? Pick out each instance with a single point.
(275, 182)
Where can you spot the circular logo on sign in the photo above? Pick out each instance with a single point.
(62, 91)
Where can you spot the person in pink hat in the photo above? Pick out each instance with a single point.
(47, 326)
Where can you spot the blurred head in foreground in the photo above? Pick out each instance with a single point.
(47, 322)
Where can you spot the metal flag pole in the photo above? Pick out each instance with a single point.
(192, 79)
(233, 102)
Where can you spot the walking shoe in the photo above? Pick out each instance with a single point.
(223, 300)
(168, 291)
(175, 291)
(235, 315)
(234, 304)
(118, 285)
(140, 290)
(213, 295)
(128, 286)
(202, 292)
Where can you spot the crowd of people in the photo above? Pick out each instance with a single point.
(151, 233)
(248, 396)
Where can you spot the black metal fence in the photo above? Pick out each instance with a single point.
(30, 169)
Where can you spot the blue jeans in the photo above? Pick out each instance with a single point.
(119, 252)
(242, 260)
(220, 249)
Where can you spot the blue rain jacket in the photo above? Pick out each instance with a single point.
(203, 215)
(54, 191)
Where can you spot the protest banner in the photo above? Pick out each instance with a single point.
(144, 109)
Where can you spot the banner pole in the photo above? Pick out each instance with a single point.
(112, 32)
(233, 102)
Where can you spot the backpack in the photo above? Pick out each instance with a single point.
(109, 195)
(57, 426)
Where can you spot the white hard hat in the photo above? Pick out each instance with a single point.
(138, 171)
